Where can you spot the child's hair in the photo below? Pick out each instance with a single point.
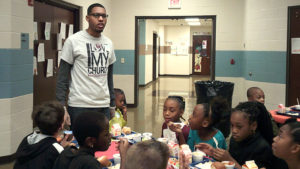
(149, 154)
(180, 101)
(89, 124)
(120, 92)
(251, 90)
(219, 107)
(294, 126)
(257, 112)
(48, 117)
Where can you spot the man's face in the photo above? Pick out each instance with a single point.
(97, 19)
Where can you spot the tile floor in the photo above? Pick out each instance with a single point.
(147, 116)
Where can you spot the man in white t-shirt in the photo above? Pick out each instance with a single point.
(88, 56)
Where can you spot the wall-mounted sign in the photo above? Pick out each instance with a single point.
(295, 45)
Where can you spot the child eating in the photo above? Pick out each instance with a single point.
(287, 144)
(202, 123)
(121, 109)
(172, 112)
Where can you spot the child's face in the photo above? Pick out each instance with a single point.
(120, 101)
(197, 119)
(283, 143)
(104, 139)
(240, 127)
(171, 111)
(258, 95)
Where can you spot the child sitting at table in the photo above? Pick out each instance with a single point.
(172, 111)
(91, 130)
(287, 144)
(251, 135)
(148, 154)
(256, 94)
(202, 123)
(40, 149)
(121, 109)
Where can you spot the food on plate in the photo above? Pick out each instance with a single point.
(206, 165)
(217, 165)
(229, 164)
(250, 165)
(126, 130)
(187, 152)
(104, 161)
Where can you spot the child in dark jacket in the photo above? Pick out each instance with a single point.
(40, 149)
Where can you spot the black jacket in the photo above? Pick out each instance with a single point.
(253, 148)
(71, 158)
(40, 155)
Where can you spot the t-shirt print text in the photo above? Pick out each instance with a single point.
(97, 59)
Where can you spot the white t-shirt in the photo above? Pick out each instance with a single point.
(90, 58)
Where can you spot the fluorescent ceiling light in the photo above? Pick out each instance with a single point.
(192, 19)
(194, 23)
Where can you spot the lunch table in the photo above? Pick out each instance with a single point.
(110, 152)
(280, 118)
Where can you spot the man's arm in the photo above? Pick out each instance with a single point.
(110, 80)
(62, 84)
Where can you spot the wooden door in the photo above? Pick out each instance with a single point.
(201, 54)
(44, 87)
(293, 56)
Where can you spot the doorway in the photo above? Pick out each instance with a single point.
(293, 56)
(55, 12)
(201, 54)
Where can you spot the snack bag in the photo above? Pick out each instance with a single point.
(174, 148)
(116, 129)
(187, 152)
(173, 163)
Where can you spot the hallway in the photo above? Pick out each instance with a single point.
(148, 117)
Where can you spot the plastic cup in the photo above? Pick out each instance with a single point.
(117, 158)
(197, 156)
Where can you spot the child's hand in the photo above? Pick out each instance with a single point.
(124, 111)
(123, 146)
(174, 127)
(67, 140)
(222, 155)
(206, 148)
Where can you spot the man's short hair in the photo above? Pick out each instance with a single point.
(149, 154)
(251, 90)
(48, 117)
(90, 8)
(88, 124)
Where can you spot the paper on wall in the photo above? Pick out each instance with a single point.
(49, 68)
(47, 30)
(71, 29)
(63, 30)
(59, 41)
(58, 58)
(35, 31)
(295, 46)
(35, 71)
(41, 52)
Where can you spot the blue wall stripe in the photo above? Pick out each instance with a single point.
(265, 66)
(16, 77)
(126, 68)
(223, 66)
